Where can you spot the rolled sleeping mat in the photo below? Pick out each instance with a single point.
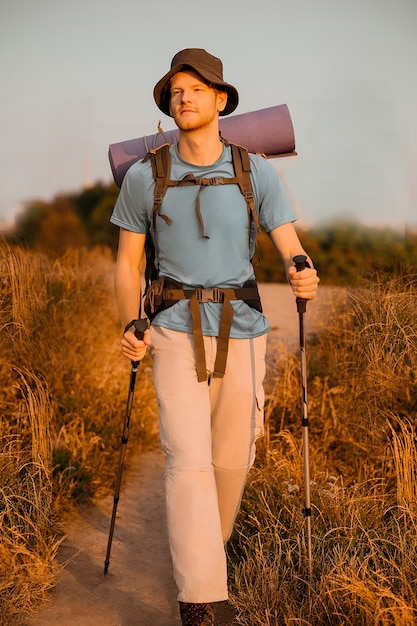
(267, 131)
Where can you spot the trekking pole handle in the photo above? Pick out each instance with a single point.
(300, 261)
(140, 326)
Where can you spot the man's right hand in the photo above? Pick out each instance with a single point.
(132, 348)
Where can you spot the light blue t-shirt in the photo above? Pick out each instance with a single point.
(222, 257)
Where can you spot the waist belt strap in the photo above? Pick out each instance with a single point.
(195, 296)
(211, 295)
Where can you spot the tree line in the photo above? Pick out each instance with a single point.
(345, 253)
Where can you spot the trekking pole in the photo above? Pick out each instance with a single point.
(140, 327)
(300, 263)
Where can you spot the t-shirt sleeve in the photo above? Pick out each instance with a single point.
(130, 210)
(273, 202)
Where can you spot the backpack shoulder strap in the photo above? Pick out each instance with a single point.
(161, 167)
(241, 164)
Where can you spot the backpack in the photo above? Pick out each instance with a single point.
(161, 167)
(160, 292)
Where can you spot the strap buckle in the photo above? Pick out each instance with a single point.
(209, 295)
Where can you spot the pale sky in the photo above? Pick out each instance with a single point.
(77, 76)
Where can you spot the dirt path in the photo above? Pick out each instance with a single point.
(139, 589)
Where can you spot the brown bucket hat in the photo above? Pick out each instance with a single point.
(207, 66)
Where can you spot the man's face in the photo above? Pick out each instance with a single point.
(193, 103)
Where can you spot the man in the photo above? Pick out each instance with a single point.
(210, 419)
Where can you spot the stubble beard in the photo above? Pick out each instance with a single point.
(193, 125)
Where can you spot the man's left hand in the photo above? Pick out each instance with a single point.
(304, 283)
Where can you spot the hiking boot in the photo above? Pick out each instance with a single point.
(225, 613)
(196, 614)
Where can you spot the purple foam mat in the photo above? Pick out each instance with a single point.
(267, 131)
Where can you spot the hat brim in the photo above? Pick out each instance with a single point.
(161, 93)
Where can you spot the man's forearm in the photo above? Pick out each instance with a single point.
(127, 287)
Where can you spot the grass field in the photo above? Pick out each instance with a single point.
(63, 391)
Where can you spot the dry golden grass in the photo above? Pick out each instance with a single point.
(28, 540)
(64, 388)
(363, 453)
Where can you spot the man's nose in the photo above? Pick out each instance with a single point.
(186, 95)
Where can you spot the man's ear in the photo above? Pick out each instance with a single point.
(221, 100)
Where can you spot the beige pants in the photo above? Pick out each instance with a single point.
(208, 431)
